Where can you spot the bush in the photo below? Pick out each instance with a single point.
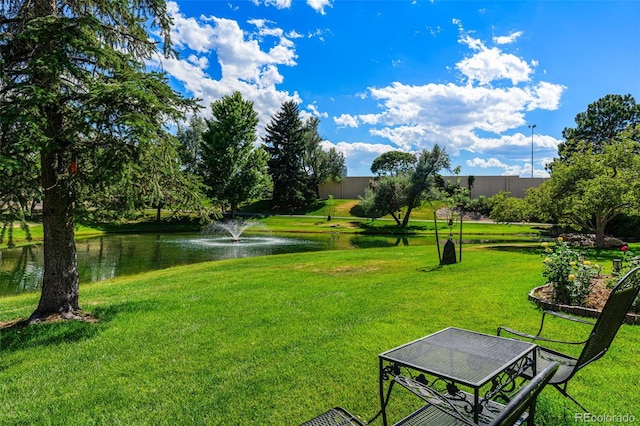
(479, 204)
(505, 208)
(568, 273)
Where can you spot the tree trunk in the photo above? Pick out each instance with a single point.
(405, 220)
(601, 224)
(60, 282)
(396, 218)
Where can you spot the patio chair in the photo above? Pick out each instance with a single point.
(337, 416)
(433, 415)
(441, 411)
(604, 330)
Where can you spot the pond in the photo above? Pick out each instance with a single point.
(109, 256)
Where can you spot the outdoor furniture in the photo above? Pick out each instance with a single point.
(337, 416)
(432, 414)
(441, 411)
(596, 345)
(453, 358)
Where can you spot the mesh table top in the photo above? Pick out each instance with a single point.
(464, 356)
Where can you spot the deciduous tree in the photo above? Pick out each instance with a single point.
(232, 167)
(320, 165)
(393, 163)
(600, 125)
(405, 185)
(588, 190)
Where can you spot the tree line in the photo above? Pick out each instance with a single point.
(594, 183)
(287, 167)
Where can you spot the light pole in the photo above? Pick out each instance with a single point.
(532, 126)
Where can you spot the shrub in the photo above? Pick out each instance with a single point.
(629, 261)
(505, 208)
(568, 273)
(479, 204)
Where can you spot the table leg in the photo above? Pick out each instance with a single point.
(383, 406)
(476, 404)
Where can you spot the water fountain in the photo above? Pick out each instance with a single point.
(235, 228)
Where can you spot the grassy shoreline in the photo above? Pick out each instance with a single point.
(275, 340)
(314, 220)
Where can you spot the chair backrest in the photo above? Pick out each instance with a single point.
(525, 396)
(613, 315)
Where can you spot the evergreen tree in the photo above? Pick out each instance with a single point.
(75, 92)
(285, 144)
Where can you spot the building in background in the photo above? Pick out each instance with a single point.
(353, 187)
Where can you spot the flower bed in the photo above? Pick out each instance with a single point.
(543, 297)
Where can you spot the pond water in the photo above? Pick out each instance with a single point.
(109, 256)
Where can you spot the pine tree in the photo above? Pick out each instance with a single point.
(285, 144)
(75, 92)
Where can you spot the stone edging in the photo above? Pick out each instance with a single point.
(575, 310)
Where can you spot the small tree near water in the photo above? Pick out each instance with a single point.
(403, 184)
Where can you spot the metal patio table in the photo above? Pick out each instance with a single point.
(451, 358)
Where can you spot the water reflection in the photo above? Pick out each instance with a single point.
(20, 270)
(109, 256)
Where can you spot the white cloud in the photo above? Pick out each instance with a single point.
(472, 43)
(491, 64)
(523, 169)
(187, 32)
(312, 111)
(293, 34)
(486, 163)
(434, 31)
(473, 116)
(449, 114)
(511, 38)
(346, 120)
(359, 155)
(244, 65)
(319, 5)
(279, 4)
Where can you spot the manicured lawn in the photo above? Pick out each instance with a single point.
(276, 340)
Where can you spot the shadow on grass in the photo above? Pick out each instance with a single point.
(518, 249)
(184, 224)
(17, 335)
(604, 254)
(433, 268)
(393, 229)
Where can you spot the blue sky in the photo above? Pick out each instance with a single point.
(471, 76)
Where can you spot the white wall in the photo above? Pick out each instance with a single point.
(353, 187)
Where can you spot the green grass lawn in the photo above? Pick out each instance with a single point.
(276, 340)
